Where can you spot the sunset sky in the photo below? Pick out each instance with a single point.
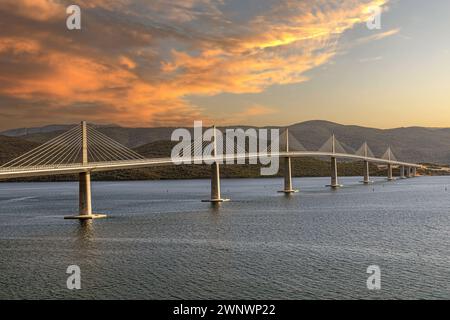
(256, 62)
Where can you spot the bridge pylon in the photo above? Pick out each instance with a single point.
(388, 155)
(390, 175)
(215, 176)
(287, 169)
(366, 174)
(85, 197)
(366, 153)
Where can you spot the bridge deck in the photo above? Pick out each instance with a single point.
(17, 172)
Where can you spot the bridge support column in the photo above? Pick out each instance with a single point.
(288, 177)
(85, 199)
(287, 170)
(366, 173)
(390, 175)
(334, 174)
(414, 172)
(215, 185)
(402, 172)
(409, 172)
(215, 178)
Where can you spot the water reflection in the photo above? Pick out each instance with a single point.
(85, 233)
(214, 207)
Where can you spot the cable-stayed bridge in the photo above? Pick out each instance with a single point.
(83, 150)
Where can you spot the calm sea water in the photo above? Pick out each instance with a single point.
(161, 242)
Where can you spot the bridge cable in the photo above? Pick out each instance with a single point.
(43, 154)
(34, 155)
(105, 142)
(64, 151)
(102, 148)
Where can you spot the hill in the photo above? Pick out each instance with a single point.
(11, 147)
(414, 144)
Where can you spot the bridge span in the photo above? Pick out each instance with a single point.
(83, 150)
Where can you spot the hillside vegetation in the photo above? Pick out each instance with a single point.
(413, 144)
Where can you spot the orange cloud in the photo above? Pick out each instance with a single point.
(142, 67)
(378, 36)
(18, 45)
(40, 10)
(127, 62)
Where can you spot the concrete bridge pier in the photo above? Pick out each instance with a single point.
(215, 178)
(334, 174)
(287, 170)
(414, 172)
(409, 172)
(390, 175)
(366, 173)
(215, 185)
(402, 172)
(85, 198)
(288, 177)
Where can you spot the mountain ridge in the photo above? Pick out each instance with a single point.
(17, 132)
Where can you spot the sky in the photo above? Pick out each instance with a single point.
(226, 62)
